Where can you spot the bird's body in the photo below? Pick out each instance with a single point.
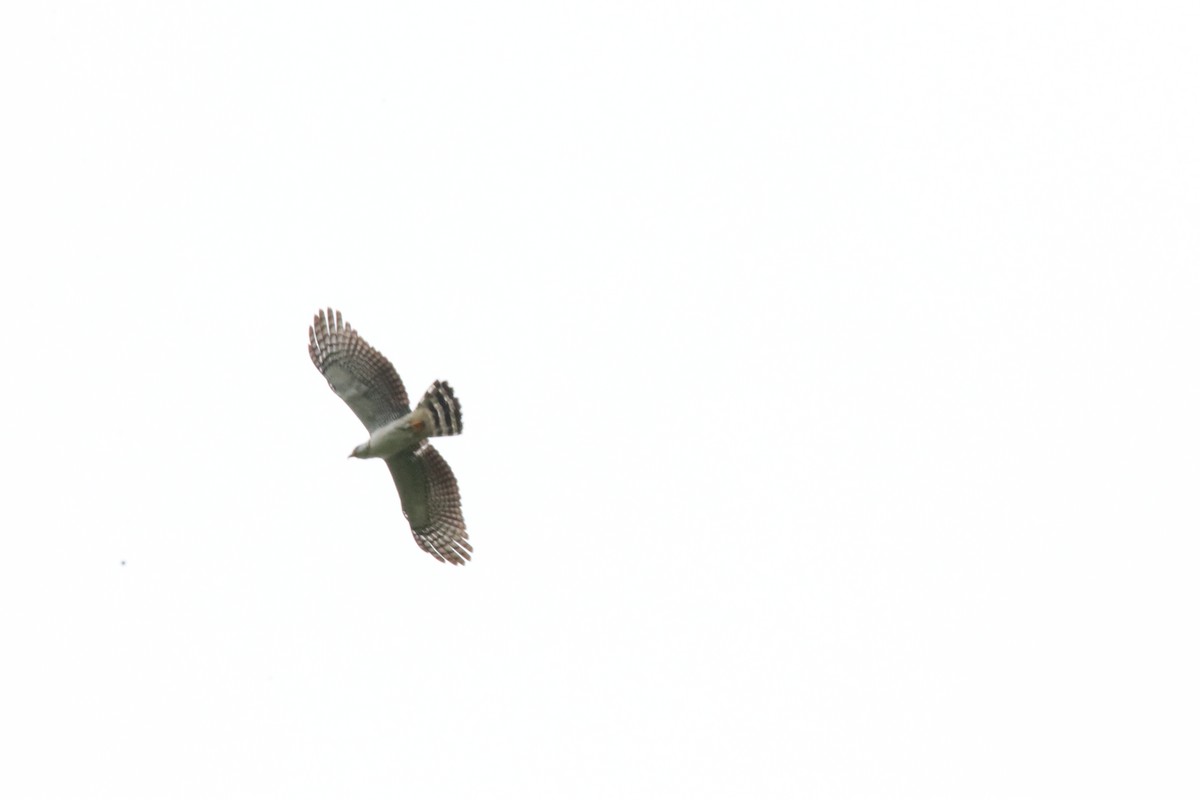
(390, 440)
(369, 384)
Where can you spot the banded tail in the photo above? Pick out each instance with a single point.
(445, 413)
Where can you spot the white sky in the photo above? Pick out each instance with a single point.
(829, 375)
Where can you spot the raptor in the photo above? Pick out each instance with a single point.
(399, 435)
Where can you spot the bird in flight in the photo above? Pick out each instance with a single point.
(369, 384)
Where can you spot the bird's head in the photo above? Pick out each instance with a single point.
(360, 451)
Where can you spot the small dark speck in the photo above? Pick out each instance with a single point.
(122, 563)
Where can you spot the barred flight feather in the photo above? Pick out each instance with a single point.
(444, 408)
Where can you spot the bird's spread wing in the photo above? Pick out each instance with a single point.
(357, 372)
(429, 495)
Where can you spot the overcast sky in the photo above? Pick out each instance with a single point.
(829, 376)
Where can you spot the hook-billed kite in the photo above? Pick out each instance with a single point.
(368, 382)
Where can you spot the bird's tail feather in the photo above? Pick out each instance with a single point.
(443, 408)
